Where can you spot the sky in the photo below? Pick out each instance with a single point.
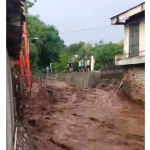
(77, 15)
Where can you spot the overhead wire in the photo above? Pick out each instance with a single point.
(86, 29)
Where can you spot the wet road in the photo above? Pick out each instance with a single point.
(86, 120)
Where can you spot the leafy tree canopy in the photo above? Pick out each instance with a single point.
(50, 47)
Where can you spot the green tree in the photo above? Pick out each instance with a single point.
(61, 64)
(48, 47)
(105, 54)
(28, 5)
(82, 49)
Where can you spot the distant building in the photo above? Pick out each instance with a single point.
(133, 59)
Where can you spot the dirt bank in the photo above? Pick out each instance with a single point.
(92, 119)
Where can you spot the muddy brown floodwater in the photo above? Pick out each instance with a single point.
(91, 119)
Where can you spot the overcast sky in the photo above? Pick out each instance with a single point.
(73, 15)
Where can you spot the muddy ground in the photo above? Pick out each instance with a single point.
(91, 119)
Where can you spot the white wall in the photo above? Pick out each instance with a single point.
(141, 37)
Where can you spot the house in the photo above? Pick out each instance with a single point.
(133, 59)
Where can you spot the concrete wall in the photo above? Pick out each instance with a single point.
(141, 36)
(129, 61)
(133, 77)
(9, 108)
(134, 82)
(79, 80)
(92, 79)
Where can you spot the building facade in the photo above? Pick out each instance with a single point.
(133, 58)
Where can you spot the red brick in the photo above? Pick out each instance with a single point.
(135, 85)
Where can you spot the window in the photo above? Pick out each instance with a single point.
(134, 40)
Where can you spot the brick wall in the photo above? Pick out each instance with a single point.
(134, 82)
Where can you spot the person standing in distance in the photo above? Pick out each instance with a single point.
(88, 64)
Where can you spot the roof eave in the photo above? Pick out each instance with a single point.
(117, 20)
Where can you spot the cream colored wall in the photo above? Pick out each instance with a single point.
(141, 37)
(126, 39)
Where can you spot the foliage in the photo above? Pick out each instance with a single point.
(61, 64)
(82, 49)
(50, 47)
(28, 5)
(76, 66)
(105, 53)
(49, 44)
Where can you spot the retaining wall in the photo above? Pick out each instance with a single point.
(92, 79)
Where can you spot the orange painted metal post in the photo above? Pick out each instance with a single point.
(27, 58)
(24, 59)
(21, 64)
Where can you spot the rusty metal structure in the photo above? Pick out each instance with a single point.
(24, 59)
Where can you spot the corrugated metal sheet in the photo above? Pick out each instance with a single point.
(15, 19)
